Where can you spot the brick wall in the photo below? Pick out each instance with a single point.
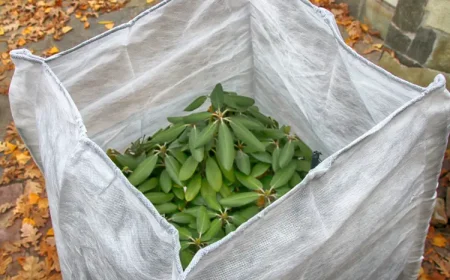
(418, 30)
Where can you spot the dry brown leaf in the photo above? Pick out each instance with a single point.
(29, 221)
(11, 247)
(66, 29)
(33, 172)
(5, 207)
(350, 42)
(150, 1)
(30, 235)
(439, 240)
(23, 158)
(86, 24)
(2, 31)
(5, 260)
(32, 268)
(7, 147)
(22, 207)
(43, 203)
(33, 187)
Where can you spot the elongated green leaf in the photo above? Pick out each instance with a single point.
(179, 155)
(306, 151)
(186, 257)
(143, 170)
(193, 187)
(282, 191)
(194, 212)
(199, 201)
(203, 221)
(249, 181)
(188, 169)
(225, 191)
(245, 135)
(238, 102)
(165, 181)
(253, 111)
(250, 123)
(273, 133)
(179, 192)
(213, 174)
(184, 233)
(206, 135)
(303, 165)
(159, 197)
(196, 117)
(262, 156)
(249, 212)
(166, 208)
(182, 218)
(237, 219)
(213, 230)
(228, 174)
(127, 160)
(217, 97)
(295, 180)
(184, 136)
(239, 199)
(266, 181)
(259, 169)
(148, 185)
(283, 175)
(210, 196)
(225, 146)
(243, 162)
(286, 154)
(173, 168)
(193, 225)
(229, 228)
(175, 120)
(276, 159)
(168, 135)
(197, 153)
(184, 245)
(196, 103)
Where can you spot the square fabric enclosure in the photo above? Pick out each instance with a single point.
(362, 213)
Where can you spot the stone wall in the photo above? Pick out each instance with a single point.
(418, 30)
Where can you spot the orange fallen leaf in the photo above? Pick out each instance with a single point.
(50, 232)
(53, 50)
(66, 29)
(364, 27)
(350, 42)
(23, 158)
(86, 24)
(5, 207)
(30, 235)
(33, 198)
(43, 203)
(439, 241)
(21, 42)
(7, 147)
(5, 260)
(32, 268)
(11, 247)
(109, 25)
(32, 173)
(150, 1)
(33, 187)
(2, 31)
(105, 22)
(28, 221)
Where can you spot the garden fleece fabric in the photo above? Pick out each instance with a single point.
(363, 213)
